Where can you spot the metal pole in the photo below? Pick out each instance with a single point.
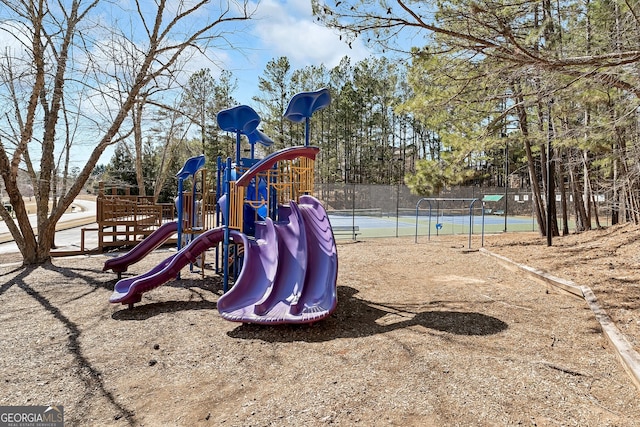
(217, 220)
(227, 212)
(470, 222)
(353, 212)
(506, 183)
(429, 224)
(238, 141)
(417, 216)
(397, 209)
(482, 238)
(180, 206)
(306, 132)
(550, 198)
(415, 240)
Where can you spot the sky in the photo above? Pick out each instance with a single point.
(278, 28)
(281, 28)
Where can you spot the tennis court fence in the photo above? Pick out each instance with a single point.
(393, 211)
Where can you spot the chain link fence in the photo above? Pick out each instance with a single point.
(393, 211)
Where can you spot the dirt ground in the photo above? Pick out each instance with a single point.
(606, 260)
(425, 334)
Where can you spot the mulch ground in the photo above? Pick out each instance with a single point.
(425, 334)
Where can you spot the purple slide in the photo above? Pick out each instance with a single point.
(290, 271)
(141, 250)
(130, 290)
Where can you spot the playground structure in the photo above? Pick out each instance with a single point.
(270, 237)
(162, 232)
(126, 220)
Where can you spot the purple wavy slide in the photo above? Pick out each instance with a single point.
(141, 250)
(288, 276)
(130, 290)
(290, 270)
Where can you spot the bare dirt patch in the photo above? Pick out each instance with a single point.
(424, 334)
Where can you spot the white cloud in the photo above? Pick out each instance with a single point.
(288, 28)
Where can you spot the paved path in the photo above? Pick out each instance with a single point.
(68, 232)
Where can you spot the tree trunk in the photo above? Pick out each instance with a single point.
(136, 113)
(563, 197)
(581, 224)
(551, 188)
(533, 176)
(595, 210)
(615, 198)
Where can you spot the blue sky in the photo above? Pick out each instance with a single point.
(280, 28)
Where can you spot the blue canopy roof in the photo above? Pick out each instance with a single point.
(304, 104)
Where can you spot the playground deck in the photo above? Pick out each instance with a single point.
(125, 219)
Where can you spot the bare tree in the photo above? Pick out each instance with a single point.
(169, 131)
(69, 52)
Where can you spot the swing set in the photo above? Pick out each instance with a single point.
(441, 219)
